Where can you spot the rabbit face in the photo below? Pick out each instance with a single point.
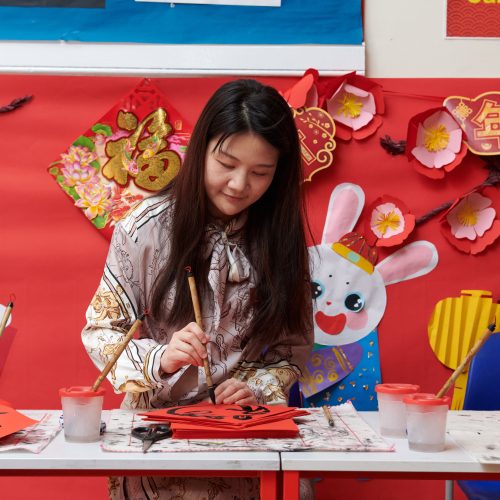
(349, 302)
(350, 297)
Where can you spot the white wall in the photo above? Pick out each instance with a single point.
(406, 38)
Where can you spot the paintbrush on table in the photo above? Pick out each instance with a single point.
(137, 323)
(484, 337)
(328, 416)
(197, 316)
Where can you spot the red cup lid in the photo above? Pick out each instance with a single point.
(425, 399)
(397, 388)
(80, 391)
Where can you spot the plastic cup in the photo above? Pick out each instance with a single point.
(391, 408)
(426, 421)
(82, 409)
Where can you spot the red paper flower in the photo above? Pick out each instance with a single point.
(304, 93)
(472, 223)
(435, 143)
(389, 223)
(355, 103)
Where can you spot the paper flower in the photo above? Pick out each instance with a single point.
(355, 103)
(435, 141)
(389, 223)
(472, 223)
(303, 93)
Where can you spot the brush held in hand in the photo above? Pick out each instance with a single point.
(197, 317)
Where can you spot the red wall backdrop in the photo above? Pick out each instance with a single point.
(51, 257)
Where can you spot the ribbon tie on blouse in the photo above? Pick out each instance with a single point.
(228, 263)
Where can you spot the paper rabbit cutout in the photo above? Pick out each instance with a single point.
(350, 300)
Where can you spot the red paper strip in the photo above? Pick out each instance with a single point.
(280, 429)
(224, 416)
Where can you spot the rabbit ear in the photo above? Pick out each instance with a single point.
(413, 260)
(344, 209)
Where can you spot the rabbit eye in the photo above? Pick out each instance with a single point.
(317, 289)
(354, 302)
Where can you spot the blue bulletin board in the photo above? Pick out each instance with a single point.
(295, 22)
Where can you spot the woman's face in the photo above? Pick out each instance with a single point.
(238, 173)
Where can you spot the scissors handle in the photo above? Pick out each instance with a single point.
(150, 434)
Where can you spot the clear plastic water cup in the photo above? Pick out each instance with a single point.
(391, 408)
(426, 421)
(82, 409)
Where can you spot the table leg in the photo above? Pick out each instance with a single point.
(268, 485)
(291, 490)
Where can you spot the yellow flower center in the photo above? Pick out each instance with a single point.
(390, 220)
(350, 105)
(467, 215)
(436, 138)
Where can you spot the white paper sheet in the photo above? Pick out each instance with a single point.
(351, 433)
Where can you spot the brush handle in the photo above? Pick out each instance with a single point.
(484, 337)
(117, 353)
(197, 317)
(6, 316)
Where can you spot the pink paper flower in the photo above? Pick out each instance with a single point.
(94, 198)
(390, 222)
(471, 217)
(435, 140)
(355, 103)
(471, 223)
(352, 106)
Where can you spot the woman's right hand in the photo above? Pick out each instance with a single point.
(187, 347)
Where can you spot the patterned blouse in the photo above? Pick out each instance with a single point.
(138, 251)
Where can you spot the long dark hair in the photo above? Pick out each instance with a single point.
(275, 224)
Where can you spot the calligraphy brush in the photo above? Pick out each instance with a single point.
(118, 351)
(197, 317)
(484, 337)
(6, 316)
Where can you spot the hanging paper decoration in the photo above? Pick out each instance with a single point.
(355, 103)
(131, 152)
(472, 223)
(316, 134)
(389, 223)
(455, 326)
(434, 143)
(349, 290)
(479, 118)
(315, 126)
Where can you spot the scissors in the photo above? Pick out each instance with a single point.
(152, 433)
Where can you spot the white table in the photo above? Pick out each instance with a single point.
(452, 463)
(61, 458)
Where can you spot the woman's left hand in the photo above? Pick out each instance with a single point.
(233, 391)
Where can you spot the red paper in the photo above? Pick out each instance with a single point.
(279, 429)
(224, 416)
(12, 421)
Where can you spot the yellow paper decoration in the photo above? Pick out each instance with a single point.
(455, 326)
